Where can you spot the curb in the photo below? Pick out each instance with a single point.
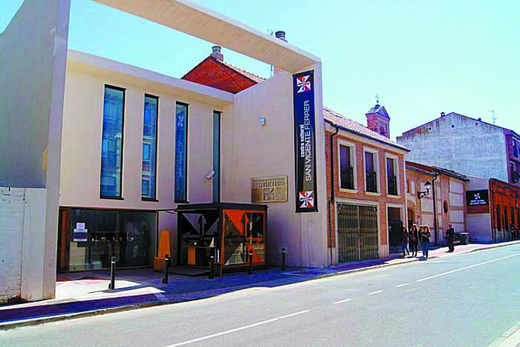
(510, 338)
(491, 246)
(42, 320)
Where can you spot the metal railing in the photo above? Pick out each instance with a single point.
(371, 181)
(347, 177)
(392, 185)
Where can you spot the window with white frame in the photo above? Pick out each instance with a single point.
(347, 166)
(371, 176)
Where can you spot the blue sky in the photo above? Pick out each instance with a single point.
(421, 57)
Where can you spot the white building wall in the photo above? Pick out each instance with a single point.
(479, 224)
(32, 74)
(460, 144)
(252, 151)
(11, 224)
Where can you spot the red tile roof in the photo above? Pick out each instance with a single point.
(348, 124)
(249, 75)
(216, 74)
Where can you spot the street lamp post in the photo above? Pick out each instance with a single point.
(428, 186)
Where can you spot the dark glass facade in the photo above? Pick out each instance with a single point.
(97, 235)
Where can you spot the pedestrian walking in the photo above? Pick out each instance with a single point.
(413, 238)
(425, 239)
(450, 236)
(405, 242)
(512, 228)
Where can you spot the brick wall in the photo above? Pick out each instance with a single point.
(448, 190)
(12, 205)
(381, 199)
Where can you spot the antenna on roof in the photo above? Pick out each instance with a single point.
(493, 117)
(271, 32)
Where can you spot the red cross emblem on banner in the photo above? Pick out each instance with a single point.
(307, 199)
(303, 83)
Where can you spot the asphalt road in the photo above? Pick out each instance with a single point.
(462, 300)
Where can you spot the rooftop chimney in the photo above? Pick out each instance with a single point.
(443, 114)
(217, 54)
(281, 36)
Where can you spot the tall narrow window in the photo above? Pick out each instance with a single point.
(391, 176)
(151, 105)
(216, 156)
(181, 153)
(346, 168)
(370, 172)
(499, 224)
(112, 142)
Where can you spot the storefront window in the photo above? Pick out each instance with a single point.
(98, 235)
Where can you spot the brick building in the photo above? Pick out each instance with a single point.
(447, 190)
(366, 181)
(492, 207)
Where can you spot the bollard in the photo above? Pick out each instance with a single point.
(166, 267)
(283, 259)
(250, 271)
(211, 262)
(112, 284)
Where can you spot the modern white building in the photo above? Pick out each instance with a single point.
(97, 154)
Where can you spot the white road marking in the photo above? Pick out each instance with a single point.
(294, 314)
(466, 267)
(237, 329)
(342, 301)
(402, 285)
(376, 292)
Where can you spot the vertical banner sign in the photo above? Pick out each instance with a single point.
(304, 142)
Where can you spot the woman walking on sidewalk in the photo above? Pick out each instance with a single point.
(425, 239)
(405, 242)
(413, 240)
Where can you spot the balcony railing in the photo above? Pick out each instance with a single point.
(347, 177)
(371, 181)
(392, 185)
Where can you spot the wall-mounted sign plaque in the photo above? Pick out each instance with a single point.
(269, 189)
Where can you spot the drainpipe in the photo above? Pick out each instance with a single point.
(492, 206)
(332, 188)
(435, 211)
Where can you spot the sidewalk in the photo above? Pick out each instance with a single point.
(86, 294)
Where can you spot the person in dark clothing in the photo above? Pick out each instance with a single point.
(450, 236)
(413, 238)
(405, 242)
(426, 238)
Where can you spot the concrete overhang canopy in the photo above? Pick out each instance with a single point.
(124, 73)
(209, 25)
